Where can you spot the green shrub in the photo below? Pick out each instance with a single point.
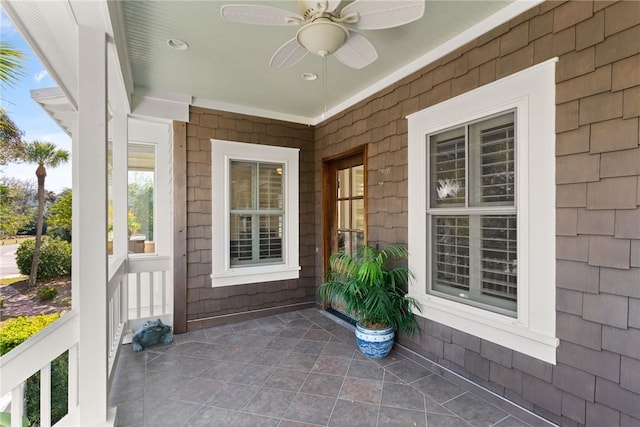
(47, 293)
(13, 334)
(55, 258)
(16, 331)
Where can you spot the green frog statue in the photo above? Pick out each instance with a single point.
(152, 332)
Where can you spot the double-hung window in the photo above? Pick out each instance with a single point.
(255, 213)
(472, 211)
(482, 211)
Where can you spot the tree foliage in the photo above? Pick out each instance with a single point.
(11, 143)
(59, 216)
(17, 206)
(55, 258)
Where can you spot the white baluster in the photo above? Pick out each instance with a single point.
(45, 396)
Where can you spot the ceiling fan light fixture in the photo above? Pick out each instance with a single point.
(322, 36)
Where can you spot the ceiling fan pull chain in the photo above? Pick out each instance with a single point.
(324, 86)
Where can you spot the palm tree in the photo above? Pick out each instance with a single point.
(44, 154)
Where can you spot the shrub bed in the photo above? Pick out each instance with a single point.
(55, 258)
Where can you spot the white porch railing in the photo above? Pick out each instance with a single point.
(36, 354)
(139, 288)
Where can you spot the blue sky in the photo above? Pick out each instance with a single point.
(29, 117)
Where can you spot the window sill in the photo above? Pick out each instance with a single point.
(494, 327)
(246, 275)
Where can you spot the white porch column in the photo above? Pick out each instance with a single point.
(120, 138)
(90, 226)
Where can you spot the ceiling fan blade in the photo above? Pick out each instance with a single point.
(258, 14)
(288, 54)
(381, 14)
(357, 52)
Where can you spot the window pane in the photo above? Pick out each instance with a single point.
(344, 214)
(447, 168)
(242, 185)
(499, 257)
(492, 144)
(358, 181)
(141, 165)
(358, 214)
(241, 244)
(450, 251)
(270, 192)
(344, 183)
(271, 237)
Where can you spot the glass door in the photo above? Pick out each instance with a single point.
(345, 207)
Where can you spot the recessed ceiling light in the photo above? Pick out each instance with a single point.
(178, 44)
(309, 76)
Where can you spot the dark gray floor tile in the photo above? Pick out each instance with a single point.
(268, 357)
(322, 385)
(130, 414)
(270, 402)
(243, 326)
(399, 417)
(474, 410)
(216, 331)
(303, 362)
(293, 315)
(291, 332)
(317, 335)
(390, 378)
(338, 349)
(300, 323)
(236, 353)
(402, 396)
(286, 379)
(439, 420)
(178, 365)
(125, 393)
(163, 384)
(189, 336)
(434, 407)
(253, 374)
(208, 416)
(393, 357)
(310, 409)
(168, 413)
(221, 370)
(408, 370)
(437, 388)
(511, 421)
(331, 365)
(209, 351)
(282, 344)
(365, 369)
(247, 340)
(185, 348)
(353, 414)
(249, 420)
(198, 390)
(289, 423)
(309, 347)
(233, 396)
(361, 390)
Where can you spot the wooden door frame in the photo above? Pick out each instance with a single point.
(328, 197)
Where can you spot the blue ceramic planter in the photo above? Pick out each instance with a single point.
(374, 343)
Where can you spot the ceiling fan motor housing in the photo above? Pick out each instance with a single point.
(322, 36)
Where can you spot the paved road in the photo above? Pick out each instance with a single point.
(8, 265)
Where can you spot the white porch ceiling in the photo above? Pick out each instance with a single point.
(226, 65)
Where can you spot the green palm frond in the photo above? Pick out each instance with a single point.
(11, 64)
(371, 290)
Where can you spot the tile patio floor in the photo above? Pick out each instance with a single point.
(295, 369)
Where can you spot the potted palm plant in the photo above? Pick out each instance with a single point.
(373, 293)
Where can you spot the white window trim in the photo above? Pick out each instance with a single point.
(222, 153)
(532, 92)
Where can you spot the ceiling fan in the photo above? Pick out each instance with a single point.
(326, 31)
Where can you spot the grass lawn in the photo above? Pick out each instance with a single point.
(11, 280)
(15, 240)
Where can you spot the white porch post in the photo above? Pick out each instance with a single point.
(119, 177)
(90, 226)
